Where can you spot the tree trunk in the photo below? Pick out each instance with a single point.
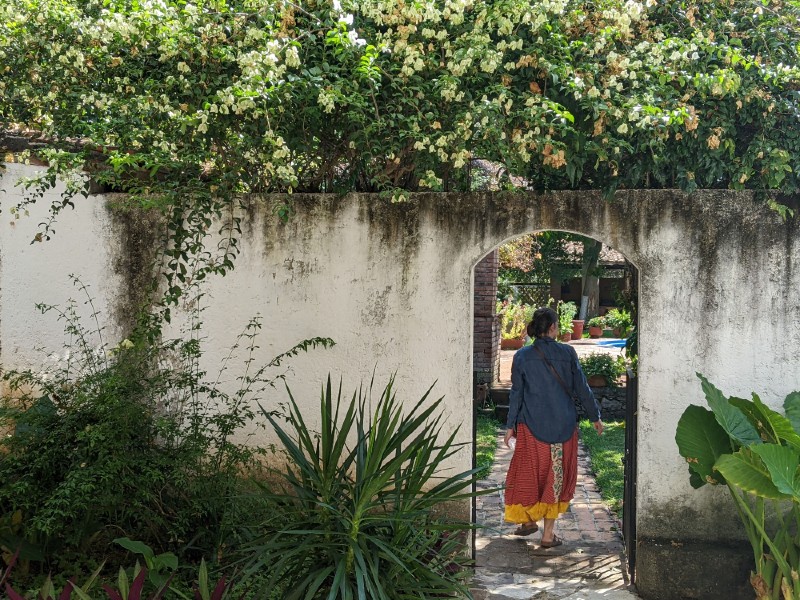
(590, 280)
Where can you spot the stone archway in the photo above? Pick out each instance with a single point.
(600, 548)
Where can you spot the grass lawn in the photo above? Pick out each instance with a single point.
(485, 444)
(606, 452)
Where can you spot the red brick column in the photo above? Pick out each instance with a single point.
(486, 341)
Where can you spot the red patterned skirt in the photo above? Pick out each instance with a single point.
(541, 478)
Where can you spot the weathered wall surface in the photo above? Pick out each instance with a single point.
(108, 248)
(392, 284)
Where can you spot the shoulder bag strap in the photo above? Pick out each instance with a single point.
(558, 377)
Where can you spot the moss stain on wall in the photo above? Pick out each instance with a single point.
(142, 233)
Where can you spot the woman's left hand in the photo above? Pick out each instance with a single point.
(598, 427)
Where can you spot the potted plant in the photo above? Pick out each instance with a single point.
(566, 313)
(602, 369)
(596, 325)
(514, 318)
(620, 322)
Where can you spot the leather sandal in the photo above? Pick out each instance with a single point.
(556, 541)
(526, 529)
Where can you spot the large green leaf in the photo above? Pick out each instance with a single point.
(757, 418)
(695, 480)
(747, 471)
(773, 427)
(781, 426)
(782, 463)
(732, 420)
(791, 406)
(701, 441)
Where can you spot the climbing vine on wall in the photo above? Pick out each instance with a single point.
(187, 106)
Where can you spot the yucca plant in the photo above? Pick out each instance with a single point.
(357, 516)
(756, 452)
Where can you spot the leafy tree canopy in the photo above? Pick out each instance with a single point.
(191, 104)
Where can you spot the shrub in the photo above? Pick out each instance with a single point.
(514, 319)
(619, 320)
(566, 313)
(603, 364)
(597, 321)
(131, 584)
(356, 515)
(131, 440)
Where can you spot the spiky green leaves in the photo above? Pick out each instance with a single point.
(357, 518)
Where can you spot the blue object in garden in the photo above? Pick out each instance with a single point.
(612, 343)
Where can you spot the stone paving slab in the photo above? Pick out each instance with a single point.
(589, 566)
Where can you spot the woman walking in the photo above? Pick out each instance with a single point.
(546, 380)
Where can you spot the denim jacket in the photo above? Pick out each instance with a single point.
(539, 400)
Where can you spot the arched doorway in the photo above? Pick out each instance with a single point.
(573, 261)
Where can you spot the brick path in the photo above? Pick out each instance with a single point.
(590, 564)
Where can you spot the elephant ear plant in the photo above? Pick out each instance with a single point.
(360, 511)
(755, 451)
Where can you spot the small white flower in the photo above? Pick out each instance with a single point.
(292, 57)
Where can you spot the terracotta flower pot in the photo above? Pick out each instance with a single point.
(597, 381)
(512, 344)
(577, 330)
(595, 332)
(565, 337)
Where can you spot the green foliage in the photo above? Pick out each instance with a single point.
(627, 300)
(514, 319)
(356, 516)
(354, 97)
(606, 452)
(158, 565)
(603, 364)
(620, 321)
(631, 351)
(130, 585)
(566, 313)
(134, 439)
(485, 445)
(187, 106)
(756, 452)
(596, 322)
(537, 257)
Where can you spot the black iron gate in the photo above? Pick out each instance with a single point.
(629, 460)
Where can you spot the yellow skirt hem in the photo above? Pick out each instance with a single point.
(517, 513)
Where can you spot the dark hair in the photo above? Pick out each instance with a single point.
(543, 319)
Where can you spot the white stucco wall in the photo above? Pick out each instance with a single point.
(334, 274)
(391, 284)
(84, 244)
